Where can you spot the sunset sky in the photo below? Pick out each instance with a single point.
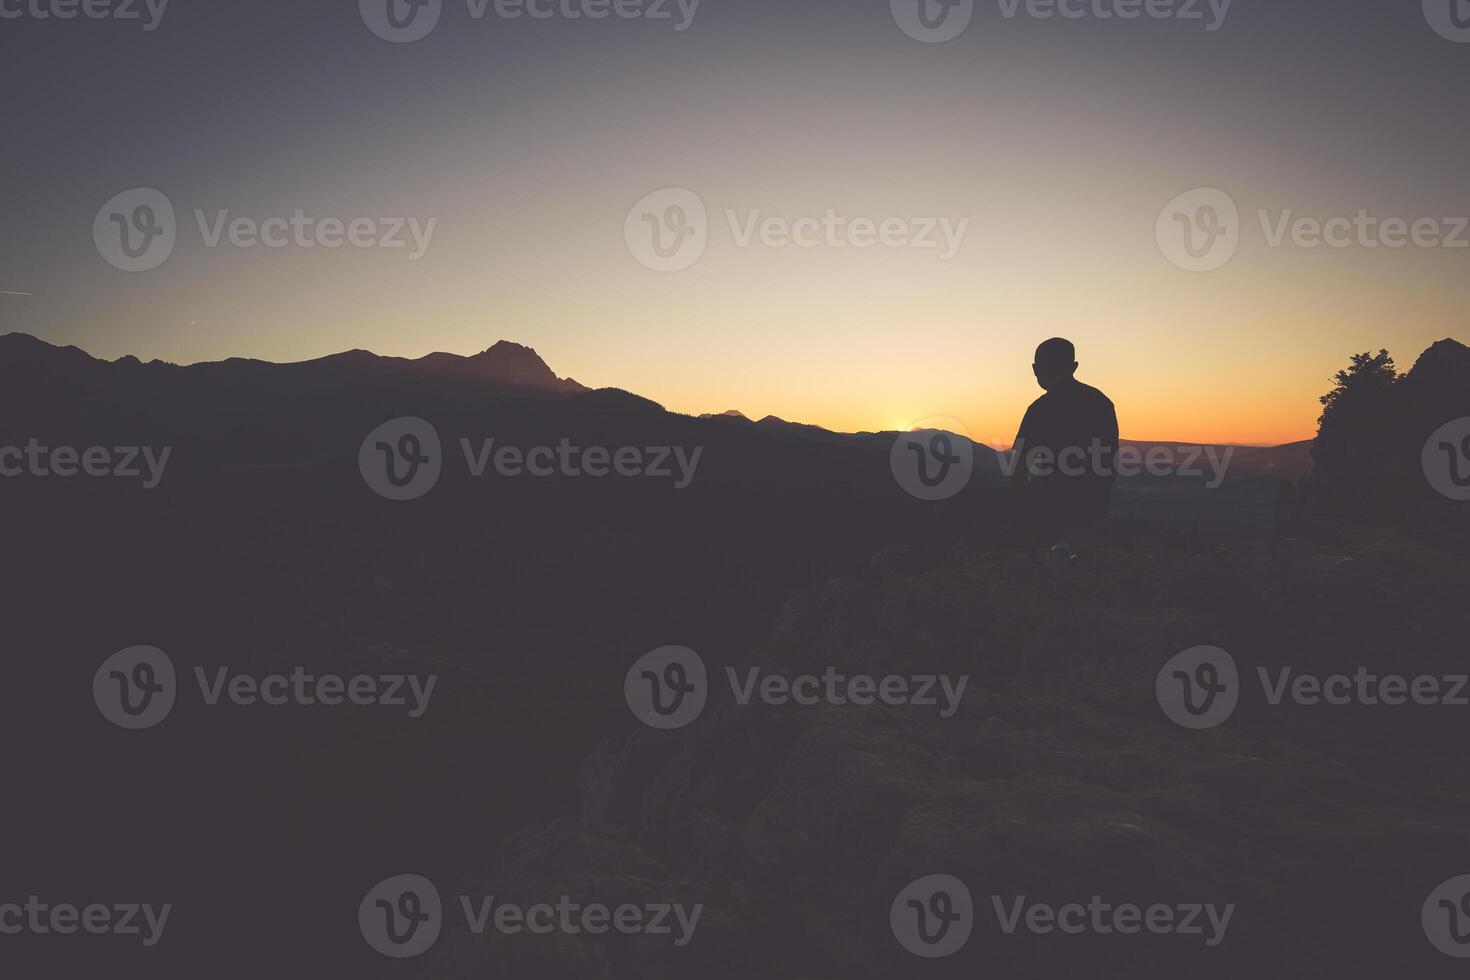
(530, 140)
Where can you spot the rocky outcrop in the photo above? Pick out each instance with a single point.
(1058, 778)
(1368, 453)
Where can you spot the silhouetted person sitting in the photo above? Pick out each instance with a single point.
(1064, 468)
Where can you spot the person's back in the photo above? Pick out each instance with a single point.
(1066, 448)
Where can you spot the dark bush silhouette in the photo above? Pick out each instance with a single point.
(1367, 465)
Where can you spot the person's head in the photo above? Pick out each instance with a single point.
(1056, 362)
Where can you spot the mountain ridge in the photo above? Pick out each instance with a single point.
(518, 368)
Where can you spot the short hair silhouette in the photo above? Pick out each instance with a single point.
(1056, 354)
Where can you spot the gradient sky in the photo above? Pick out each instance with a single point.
(530, 141)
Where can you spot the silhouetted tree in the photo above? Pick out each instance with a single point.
(1367, 457)
(1360, 383)
(1358, 439)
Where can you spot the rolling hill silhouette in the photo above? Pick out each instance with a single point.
(263, 548)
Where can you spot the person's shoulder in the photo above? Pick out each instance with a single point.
(1035, 415)
(1095, 394)
(1043, 400)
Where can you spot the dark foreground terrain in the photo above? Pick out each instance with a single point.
(1057, 777)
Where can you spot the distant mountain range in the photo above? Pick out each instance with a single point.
(46, 377)
(1288, 461)
(41, 379)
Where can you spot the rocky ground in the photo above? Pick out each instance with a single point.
(1058, 778)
